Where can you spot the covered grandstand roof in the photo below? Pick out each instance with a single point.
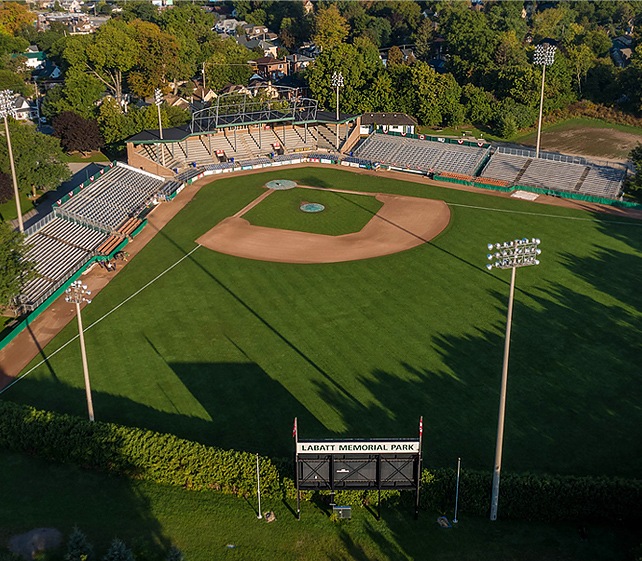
(388, 119)
(331, 117)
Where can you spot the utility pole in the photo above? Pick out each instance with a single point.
(7, 109)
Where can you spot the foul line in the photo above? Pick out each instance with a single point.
(547, 215)
(100, 319)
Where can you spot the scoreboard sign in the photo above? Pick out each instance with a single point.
(338, 465)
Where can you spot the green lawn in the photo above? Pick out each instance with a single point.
(37, 494)
(343, 213)
(227, 351)
(8, 210)
(578, 122)
(93, 157)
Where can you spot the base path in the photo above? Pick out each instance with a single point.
(401, 223)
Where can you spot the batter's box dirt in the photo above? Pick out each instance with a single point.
(401, 223)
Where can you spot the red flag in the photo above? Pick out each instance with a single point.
(294, 429)
(421, 426)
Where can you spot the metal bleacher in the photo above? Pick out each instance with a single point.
(579, 176)
(423, 155)
(111, 199)
(67, 238)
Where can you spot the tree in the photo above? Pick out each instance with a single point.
(78, 548)
(13, 16)
(635, 183)
(9, 44)
(424, 41)
(395, 57)
(80, 94)
(118, 552)
(39, 159)
(330, 28)
(478, 104)
(15, 270)
(11, 81)
(77, 134)
(157, 57)
(6, 188)
(580, 59)
(108, 54)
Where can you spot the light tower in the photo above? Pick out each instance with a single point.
(158, 100)
(7, 108)
(76, 295)
(544, 56)
(508, 255)
(337, 82)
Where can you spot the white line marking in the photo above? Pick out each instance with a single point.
(547, 215)
(100, 319)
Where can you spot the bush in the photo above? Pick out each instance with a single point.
(134, 452)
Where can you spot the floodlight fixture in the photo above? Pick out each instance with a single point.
(8, 109)
(158, 100)
(337, 82)
(76, 294)
(521, 252)
(544, 56)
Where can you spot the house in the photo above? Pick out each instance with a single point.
(228, 26)
(298, 62)
(269, 67)
(235, 89)
(308, 7)
(388, 122)
(252, 30)
(25, 109)
(33, 61)
(621, 57)
(204, 95)
(250, 43)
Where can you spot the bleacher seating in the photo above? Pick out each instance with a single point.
(188, 174)
(423, 155)
(552, 175)
(504, 166)
(602, 182)
(112, 198)
(254, 162)
(323, 156)
(362, 161)
(220, 165)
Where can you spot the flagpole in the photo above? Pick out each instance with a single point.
(258, 484)
(457, 492)
(421, 431)
(296, 463)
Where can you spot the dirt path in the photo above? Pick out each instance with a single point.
(401, 223)
(29, 344)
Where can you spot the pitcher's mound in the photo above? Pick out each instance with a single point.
(401, 223)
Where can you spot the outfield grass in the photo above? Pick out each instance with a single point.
(343, 214)
(37, 494)
(227, 351)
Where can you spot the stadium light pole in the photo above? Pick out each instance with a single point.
(508, 255)
(7, 108)
(158, 100)
(337, 82)
(544, 56)
(76, 295)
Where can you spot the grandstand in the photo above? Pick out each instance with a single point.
(95, 219)
(422, 155)
(554, 172)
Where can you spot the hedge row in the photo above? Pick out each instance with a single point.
(165, 458)
(134, 452)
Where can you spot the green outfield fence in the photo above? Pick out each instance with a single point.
(540, 191)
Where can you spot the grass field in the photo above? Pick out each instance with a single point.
(8, 210)
(343, 214)
(227, 351)
(153, 517)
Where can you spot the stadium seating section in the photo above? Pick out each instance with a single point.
(587, 179)
(93, 222)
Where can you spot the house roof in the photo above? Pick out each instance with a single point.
(265, 60)
(388, 119)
